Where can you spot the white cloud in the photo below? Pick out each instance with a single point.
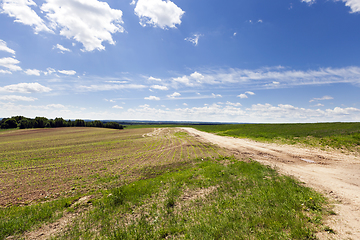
(22, 12)
(242, 96)
(67, 72)
(56, 106)
(260, 21)
(216, 95)
(250, 93)
(164, 88)
(194, 39)
(158, 13)
(25, 88)
(10, 63)
(319, 105)
(353, 4)
(108, 87)
(154, 79)
(117, 107)
(61, 48)
(152, 98)
(5, 71)
(197, 76)
(308, 1)
(49, 71)
(321, 99)
(260, 78)
(185, 104)
(13, 98)
(89, 22)
(33, 72)
(5, 48)
(233, 104)
(184, 80)
(132, 2)
(174, 95)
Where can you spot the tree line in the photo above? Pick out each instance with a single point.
(42, 122)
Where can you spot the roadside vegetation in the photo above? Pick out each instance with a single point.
(344, 136)
(146, 184)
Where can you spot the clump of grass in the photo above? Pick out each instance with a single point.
(237, 200)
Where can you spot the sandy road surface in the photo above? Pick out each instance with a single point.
(334, 174)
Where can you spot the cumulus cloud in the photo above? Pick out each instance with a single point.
(353, 4)
(174, 95)
(158, 13)
(10, 63)
(23, 13)
(33, 72)
(250, 93)
(61, 48)
(194, 40)
(117, 107)
(25, 88)
(243, 95)
(184, 80)
(5, 48)
(321, 99)
(89, 22)
(152, 98)
(67, 72)
(13, 98)
(154, 79)
(158, 87)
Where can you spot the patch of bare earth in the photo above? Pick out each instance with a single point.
(49, 230)
(337, 175)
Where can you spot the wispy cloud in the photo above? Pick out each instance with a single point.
(67, 72)
(33, 72)
(25, 88)
(13, 98)
(109, 87)
(321, 99)
(276, 77)
(194, 39)
(5, 48)
(152, 98)
(159, 87)
(61, 48)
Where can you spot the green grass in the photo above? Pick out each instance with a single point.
(206, 200)
(333, 135)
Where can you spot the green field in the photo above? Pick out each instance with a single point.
(344, 136)
(145, 184)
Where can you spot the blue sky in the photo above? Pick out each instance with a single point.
(203, 60)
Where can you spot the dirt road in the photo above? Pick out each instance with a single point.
(335, 174)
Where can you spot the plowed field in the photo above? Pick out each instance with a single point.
(46, 163)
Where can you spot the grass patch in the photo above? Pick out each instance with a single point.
(333, 135)
(207, 200)
(16, 220)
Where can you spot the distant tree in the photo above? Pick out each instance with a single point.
(25, 123)
(9, 123)
(40, 122)
(114, 125)
(98, 124)
(79, 123)
(59, 122)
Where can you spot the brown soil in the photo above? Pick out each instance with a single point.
(335, 174)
